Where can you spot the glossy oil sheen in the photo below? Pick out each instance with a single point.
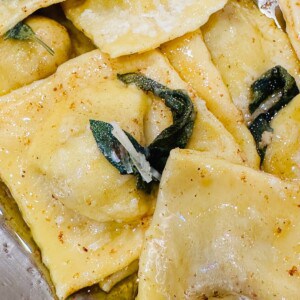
(22, 273)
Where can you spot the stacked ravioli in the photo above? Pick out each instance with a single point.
(223, 221)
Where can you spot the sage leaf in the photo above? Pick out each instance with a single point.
(280, 85)
(182, 108)
(276, 80)
(258, 127)
(115, 152)
(24, 32)
(112, 149)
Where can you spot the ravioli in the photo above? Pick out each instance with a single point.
(22, 62)
(244, 44)
(221, 229)
(69, 195)
(51, 121)
(282, 156)
(126, 27)
(291, 12)
(191, 59)
(14, 11)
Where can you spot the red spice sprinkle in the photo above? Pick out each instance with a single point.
(293, 271)
(60, 237)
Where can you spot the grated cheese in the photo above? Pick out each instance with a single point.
(138, 159)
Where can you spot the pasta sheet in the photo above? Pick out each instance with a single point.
(221, 229)
(192, 60)
(291, 12)
(126, 27)
(283, 156)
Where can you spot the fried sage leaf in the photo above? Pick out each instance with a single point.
(124, 153)
(270, 93)
(112, 149)
(178, 134)
(24, 32)
(146, 162)
(276, 80)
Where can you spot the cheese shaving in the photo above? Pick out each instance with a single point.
(139, 159)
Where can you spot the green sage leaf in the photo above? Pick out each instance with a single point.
(182, 108)
(112, 149)
(24, 32)
(275, 82)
